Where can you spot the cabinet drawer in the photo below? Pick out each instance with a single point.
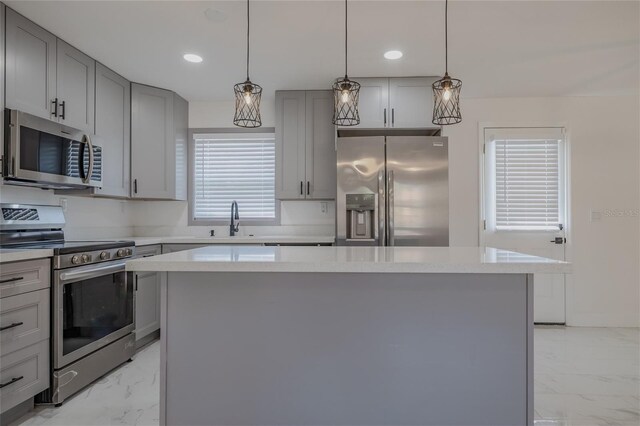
(24, 320)
(22, 277)
(146, 251)
(23, 374)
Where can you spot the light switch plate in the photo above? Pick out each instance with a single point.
(63, 204)
(324, 207)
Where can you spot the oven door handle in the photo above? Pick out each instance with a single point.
(76, 275)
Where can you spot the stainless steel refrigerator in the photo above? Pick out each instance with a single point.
(393, 187)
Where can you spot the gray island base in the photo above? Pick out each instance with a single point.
(254, 345)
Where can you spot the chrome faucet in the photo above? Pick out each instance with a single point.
(235, 226)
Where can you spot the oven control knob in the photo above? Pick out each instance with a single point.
(85, 258)
(129, 252)
(120, 252)
(75, 260)
(103, 255)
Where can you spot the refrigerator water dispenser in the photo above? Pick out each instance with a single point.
(361, 216)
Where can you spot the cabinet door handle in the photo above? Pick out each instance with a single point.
(10, 280)
(15, 379)
(301, 188)
(63, 109)
(135, 186)
(55, 107)
(393, 117)
(308, 190)
(136, 289)
(14, 325)
(385, 117)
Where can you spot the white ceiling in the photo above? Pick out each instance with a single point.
(498, 48)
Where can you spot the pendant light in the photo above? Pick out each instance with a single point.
(247, 96)
(345, 91)
(446, 91)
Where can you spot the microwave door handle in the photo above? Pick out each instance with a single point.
(87, 140)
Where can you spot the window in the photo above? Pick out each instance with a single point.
(233, 166)
(526, 178)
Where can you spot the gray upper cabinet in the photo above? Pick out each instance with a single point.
(47, 77)
(30, 67)
(290, 144)
(113, 124)
(373, 104)
(2, 74)
(158, 143)
(75, 86)
(181, 130)
(411, 101)
(320, 145)
(305, 145)
(395, 102)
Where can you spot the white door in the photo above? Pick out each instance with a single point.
(525, 204)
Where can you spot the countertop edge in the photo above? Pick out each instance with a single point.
(149, 265)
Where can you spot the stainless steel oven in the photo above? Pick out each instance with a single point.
(92, 306)
(43, 153)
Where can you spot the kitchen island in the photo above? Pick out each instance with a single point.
(347, 335)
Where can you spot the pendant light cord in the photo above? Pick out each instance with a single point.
(346, 35)
(446, 37)
(248, 26)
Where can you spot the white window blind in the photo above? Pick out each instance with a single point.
(528, 179)
(234, 166)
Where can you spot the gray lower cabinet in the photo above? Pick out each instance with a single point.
(46, 76)
(113, 124)
(24, 330)
(147, 285)
(305, 145)
(159, 119)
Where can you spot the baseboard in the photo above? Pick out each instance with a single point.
(13, 414)
(149, 338)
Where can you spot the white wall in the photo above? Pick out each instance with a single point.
(86, 217)
(604, 148)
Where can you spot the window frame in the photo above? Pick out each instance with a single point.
(487, 222)
(192, 221)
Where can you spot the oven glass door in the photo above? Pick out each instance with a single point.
(95, 308)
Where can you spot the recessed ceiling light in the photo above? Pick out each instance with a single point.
(393, 54)
(192, 57)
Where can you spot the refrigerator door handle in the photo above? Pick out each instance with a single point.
(390, 210)
(382, 233)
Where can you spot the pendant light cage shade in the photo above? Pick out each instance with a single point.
(346, 94)
(248, 96)
(446, 101)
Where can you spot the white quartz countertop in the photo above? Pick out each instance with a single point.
(227, 258)
(16, 255)
(275, 239)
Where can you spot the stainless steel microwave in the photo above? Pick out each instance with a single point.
(46, 154)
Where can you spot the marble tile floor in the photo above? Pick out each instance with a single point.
(583, 377)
